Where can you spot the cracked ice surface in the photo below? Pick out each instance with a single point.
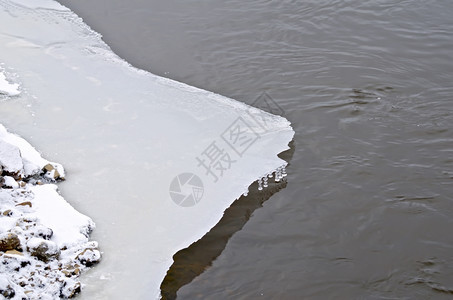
(124, 135)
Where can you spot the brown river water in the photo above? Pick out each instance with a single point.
(367, 212)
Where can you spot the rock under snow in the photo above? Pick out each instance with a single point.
(44, 241)
(9, 241)
(19, 157)
(10, 158)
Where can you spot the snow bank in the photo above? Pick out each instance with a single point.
(44, 244)
(69, 226)
(18, 156)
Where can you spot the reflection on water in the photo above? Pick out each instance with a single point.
(194, 260)
(367, 86)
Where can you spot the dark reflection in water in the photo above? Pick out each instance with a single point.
(194, 260)
(367, 85)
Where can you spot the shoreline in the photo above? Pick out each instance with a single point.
(82, 56)
(192, 261)
(44, 241)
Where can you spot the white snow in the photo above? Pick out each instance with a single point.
(6, 285)
(10, 157)
(10, 182)
(9, 89)
(41, 219)
(4, 282)
(28, 162)
(123, 135)
(90, 255)
(69, 226)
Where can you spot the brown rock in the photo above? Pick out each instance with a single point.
(41, 232)
(42, 249)
(48, 168)
(70, 290)
(14, 252)
(9, 241)
(7, 213)
(8, 292)
(24, 203)
(70, 270)
(89, 257)
(52, 172)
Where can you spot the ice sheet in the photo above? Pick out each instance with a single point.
(124, 135)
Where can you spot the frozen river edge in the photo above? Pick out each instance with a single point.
(101, 117)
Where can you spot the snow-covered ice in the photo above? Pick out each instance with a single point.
(69, 226)
(124, 135)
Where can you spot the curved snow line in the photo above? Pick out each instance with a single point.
(125, 135)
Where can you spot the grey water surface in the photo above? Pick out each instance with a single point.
(368, 86)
